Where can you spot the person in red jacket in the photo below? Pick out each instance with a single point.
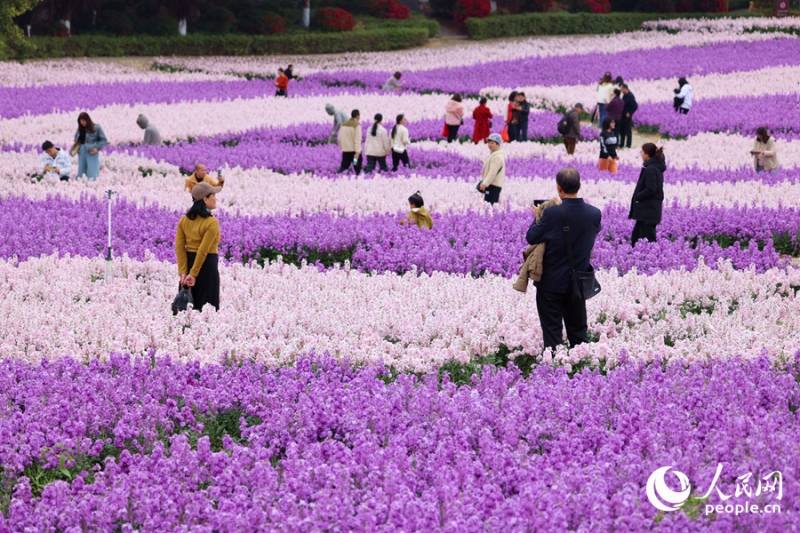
(282, 83)
(483, 125)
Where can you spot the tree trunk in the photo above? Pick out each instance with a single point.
(307, 14)
(182, 27)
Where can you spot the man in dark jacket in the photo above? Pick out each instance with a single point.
(553, 299)
(648, 196)
(626, 129)
(574, 133)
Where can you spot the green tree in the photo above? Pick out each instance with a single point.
(12, 40)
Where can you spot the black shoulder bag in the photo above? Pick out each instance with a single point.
(583, 285)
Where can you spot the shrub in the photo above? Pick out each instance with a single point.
(261, 22)
(162, 26)
(334, 19)
(57, 29)
(594, 6)
(465, 9)
(388, 9)
(115, 23)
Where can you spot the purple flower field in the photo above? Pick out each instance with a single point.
(468, 243)
(141, 445)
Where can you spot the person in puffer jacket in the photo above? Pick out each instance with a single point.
(533, 255)
(648, 197)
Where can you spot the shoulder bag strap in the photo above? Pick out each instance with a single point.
(566, 238)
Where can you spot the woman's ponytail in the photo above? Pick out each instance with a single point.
(378, 118)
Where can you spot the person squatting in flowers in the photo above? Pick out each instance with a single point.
(418, 215)
(196, 247)
(200, 175)
(56, 161)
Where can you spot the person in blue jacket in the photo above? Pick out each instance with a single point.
(89, 140)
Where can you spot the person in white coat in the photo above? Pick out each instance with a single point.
(400, 142)
(377, 146)
(55, 161)
(683, 97)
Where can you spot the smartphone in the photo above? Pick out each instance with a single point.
(537, 203)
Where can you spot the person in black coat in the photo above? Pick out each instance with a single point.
(553, 300)
(626, 128)
(648, 196)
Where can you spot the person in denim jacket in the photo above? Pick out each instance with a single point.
(89, 140)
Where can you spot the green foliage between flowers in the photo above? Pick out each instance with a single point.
(227, 45)
(570, 23)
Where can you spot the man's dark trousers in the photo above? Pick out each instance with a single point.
(552, 308)
(349, 158)
(626, 132)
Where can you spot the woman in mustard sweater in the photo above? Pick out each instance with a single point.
(196, 244)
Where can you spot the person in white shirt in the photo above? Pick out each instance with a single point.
(400, 142)
(377, 146)
(55, 160)
(683, 97)
(605, 92)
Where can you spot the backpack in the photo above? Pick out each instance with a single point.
(564, 124)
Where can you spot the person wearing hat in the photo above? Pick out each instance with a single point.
(493, 174)
(55, 160)
(151, 135)
(196, 242)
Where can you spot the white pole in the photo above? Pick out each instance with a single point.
(108, 275)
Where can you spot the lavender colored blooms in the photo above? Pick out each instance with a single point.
(153, 445)
(466, 243)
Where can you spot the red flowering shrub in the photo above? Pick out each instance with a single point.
(713, 6)
(465, 9)
(594, 6)
(335, 19)
(388, 9)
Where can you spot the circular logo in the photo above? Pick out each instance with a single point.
(658, 492)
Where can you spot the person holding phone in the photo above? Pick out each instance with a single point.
(765, 157)
(200, 175)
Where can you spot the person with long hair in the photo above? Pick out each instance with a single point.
(454, 116)
(765, 156)
(483, 122)
(377, 146)
(196, 247)
(89, 140)
(608, 147)
(604, 93)
(281, 83)
(648, 197)
(400, 142)
(683, 97)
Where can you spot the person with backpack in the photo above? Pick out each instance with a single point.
(493, 173)
(483, 122)
(648, 197)
(377, 146)
(570, 127)
(683, 97)
(608, 147)
(400, 142)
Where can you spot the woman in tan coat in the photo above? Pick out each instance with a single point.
(765, 158)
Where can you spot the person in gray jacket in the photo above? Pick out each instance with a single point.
(339, 118)
(151, 135)
(89, 140)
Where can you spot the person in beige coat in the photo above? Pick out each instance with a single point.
(765, 158)
(493, 175)
(378, 145)
(533, 256)
(350, 142)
